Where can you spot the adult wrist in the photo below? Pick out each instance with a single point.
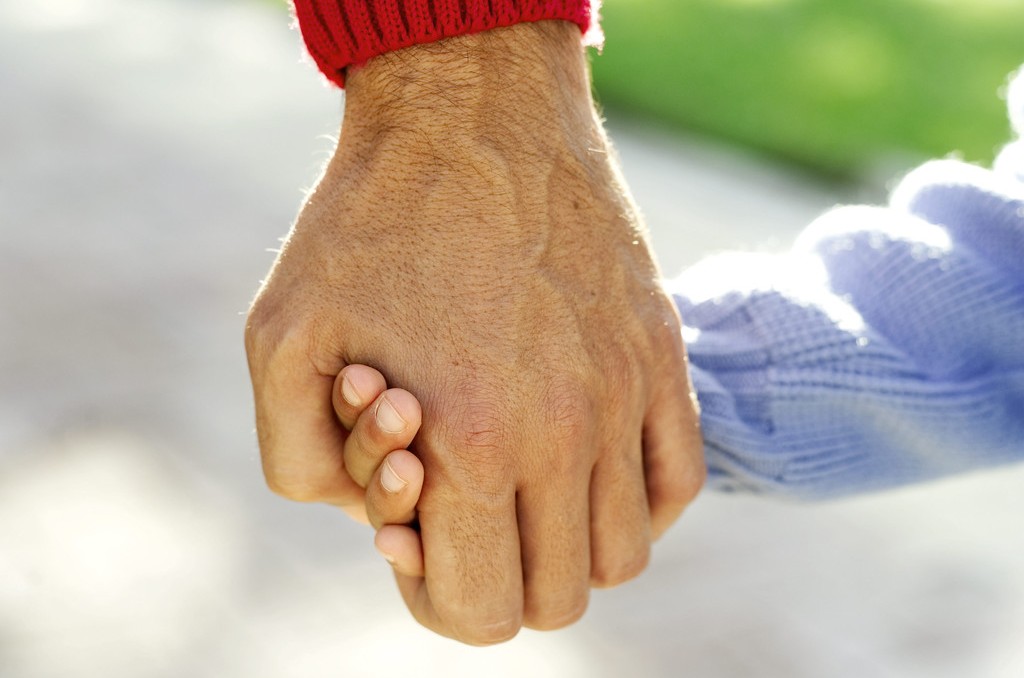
(525, 86)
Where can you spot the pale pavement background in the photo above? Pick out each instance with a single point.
(150, 153)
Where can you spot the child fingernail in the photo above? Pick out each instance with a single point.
(390, 480)
(388, 418)
(349, 392)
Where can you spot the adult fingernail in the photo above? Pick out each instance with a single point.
(390, 480)
(349, 392)
(388, 418)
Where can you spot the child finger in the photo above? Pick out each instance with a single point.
(402, 547)
(394, 490)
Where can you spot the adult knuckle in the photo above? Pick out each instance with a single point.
(275, 335)
(482, 434)
(567, 412)
(479, 427)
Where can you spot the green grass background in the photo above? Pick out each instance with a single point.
(838, 86)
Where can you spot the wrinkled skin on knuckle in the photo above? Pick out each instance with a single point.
(471, 427)
(481, 434)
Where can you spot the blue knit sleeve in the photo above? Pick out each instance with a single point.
(886, 348)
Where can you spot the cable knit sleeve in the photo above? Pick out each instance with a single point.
(342, 33)
(886, 348)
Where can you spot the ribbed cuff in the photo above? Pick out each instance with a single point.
(343, 33)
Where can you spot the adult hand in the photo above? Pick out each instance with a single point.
(473, 240)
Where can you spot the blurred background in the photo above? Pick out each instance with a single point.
(153, 152)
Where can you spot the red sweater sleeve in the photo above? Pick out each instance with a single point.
(342, 33)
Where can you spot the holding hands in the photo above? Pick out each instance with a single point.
(472, 237)
(381, 422)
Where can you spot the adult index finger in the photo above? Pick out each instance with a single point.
(301, 441)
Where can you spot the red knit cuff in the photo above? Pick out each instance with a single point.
(342, 33)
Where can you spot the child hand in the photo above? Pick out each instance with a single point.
(381, 423)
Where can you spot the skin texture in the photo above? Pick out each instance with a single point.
(473, 240)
